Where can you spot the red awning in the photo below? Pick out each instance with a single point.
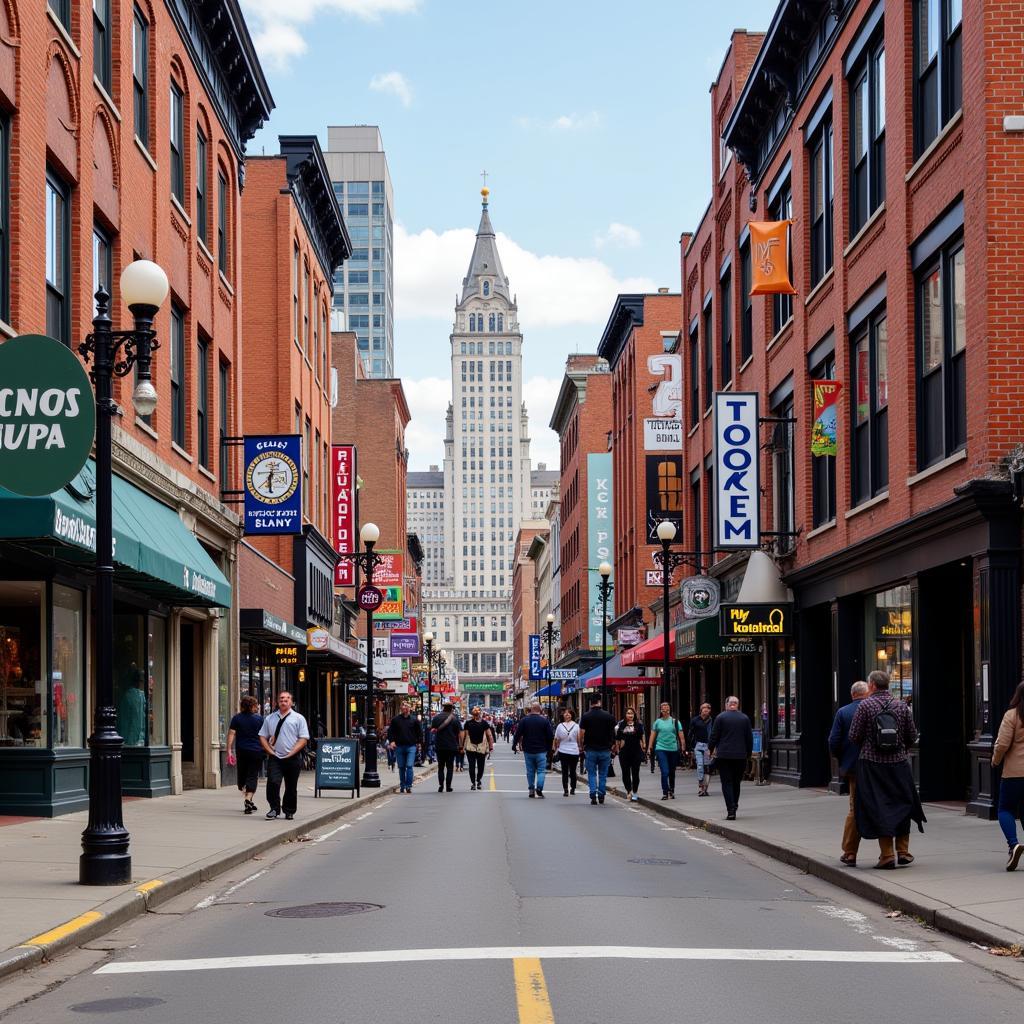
(651, 652)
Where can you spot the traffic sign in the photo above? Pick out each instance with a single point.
(369, 598)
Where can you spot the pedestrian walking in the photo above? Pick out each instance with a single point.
(567, 747)
(631, 746)
(667, 744)
(478, 742)
(447, 732)
(245, 751)
(697, 737)
(731, 743)
(283, 735)
(597, 737)
(1008, 752)
(847, 753)
(534, 735)
(886, 798)
(405, 736)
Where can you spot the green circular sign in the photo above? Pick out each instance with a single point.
(47, 415)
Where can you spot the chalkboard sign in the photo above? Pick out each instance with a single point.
(337, 765)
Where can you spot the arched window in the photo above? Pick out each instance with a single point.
(508, 348)
(472, 322)
(487, 288)
(490, 322)
(501, 322)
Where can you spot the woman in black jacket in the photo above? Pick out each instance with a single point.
(631, 745)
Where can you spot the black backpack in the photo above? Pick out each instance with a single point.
(887, 730)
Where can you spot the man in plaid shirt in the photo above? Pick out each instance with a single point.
(887, 799)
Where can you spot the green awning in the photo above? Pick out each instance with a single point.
(700, 638)
(153, 550)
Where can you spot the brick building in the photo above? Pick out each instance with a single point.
(524, 601)
(582, 420)
(893, 146)
(123, 136)
(295, 239)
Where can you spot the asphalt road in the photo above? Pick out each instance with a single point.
(491, 907)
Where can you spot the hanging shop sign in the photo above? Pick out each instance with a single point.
(384, 665)
(287, 654)
(599, 540)
(404, 645)
(564, 675)
(273, 497)
(826, 416)
(630, 636)
(388, 576)
(343, 503)
(755, 620)
(769, 247)
(737, 471)
(663, 435)
(474, 687)
(700, 596)
(700, 638)
(47, 415)
(653, 578)
(664, 493)
(369, 598)
(537, 670)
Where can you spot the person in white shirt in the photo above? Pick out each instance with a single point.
(283, 735)
(566, 746)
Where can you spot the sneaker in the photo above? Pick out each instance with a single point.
(440, 789)
(540, 794)
(664, 796)
(671, 794)
(271, 815)
(289, 817)
(600, 798)
(1015, 855)
(593, 798)
(731, 816)
(533, 793)
(634, 798)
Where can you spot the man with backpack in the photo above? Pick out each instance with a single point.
(886, 797)
(668, 743)
(731, 744)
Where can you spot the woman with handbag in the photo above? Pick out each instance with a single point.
(567, 749)
(1008, 752)
(631, 745)
(478, 742)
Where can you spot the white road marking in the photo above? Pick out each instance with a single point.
(210, 900)
(333, 832)
(393, 956)
(860, 924)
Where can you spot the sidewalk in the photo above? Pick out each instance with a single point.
(176, 843)
(957, 882)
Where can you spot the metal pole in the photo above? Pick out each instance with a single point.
(604, 645)
(370, 780)
(550, 636)
(105, 858)
(665, 582)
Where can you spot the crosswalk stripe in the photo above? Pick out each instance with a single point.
(532, 992)
(390, 956)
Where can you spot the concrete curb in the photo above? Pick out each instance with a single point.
(932, 912)
(112, 913)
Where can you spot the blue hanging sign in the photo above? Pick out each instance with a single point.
(537, 669)
(273, 484)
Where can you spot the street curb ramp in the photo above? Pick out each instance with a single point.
(149, 895)
(931, 912)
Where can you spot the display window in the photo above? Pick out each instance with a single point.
(889, 639)
(68, 667)
(787, 720)
(22, 664)
(140, 678)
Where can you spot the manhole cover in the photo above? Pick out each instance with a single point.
(116, 1005)
(657, 862)
(324, 910)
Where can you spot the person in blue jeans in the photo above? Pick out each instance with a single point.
(534, 736)
(1008, 753)
(597, 737)
(404, 738)
(668, 743)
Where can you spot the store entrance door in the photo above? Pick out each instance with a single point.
(190, 775)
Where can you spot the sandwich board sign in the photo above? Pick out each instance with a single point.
(337, 765)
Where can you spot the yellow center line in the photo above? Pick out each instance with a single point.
(532, 992)
(493, 787)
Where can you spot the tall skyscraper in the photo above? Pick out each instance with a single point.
(364, 287)
(487, 485)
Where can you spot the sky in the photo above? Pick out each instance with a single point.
(592, 119)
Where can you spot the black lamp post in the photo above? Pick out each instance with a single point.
(105, 857)
(669, 561)
(605, 587)
(550, 634)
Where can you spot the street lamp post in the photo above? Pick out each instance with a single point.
(669, 561)
(550, 634)
(428, 646)
(605, 587)
(105, 858)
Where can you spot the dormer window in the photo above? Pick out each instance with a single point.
(487, 289)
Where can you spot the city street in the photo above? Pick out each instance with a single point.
(489, 906)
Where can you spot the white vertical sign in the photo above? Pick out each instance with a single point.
(737, 471)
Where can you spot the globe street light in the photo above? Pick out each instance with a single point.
(105, 856)
(550, 634)
(669, 561)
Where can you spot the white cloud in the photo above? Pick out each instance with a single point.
(554, 291)
(275, 24)
(563, 123)
(620, 235)
(428, 400)
(393, 82)
(540, 394)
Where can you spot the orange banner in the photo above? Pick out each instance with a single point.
(769, 248)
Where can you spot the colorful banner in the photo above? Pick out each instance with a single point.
(390, 580)
(599, 540)
(343, 501)
(272, 478)
(826, 415)
(769, 246)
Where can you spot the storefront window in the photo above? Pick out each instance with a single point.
(224, 703)
(22, 721)
(888, 621)
(787, 723)
(68, 667)
(157, 681)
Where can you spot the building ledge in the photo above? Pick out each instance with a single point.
(865, 505)
(952, 460)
